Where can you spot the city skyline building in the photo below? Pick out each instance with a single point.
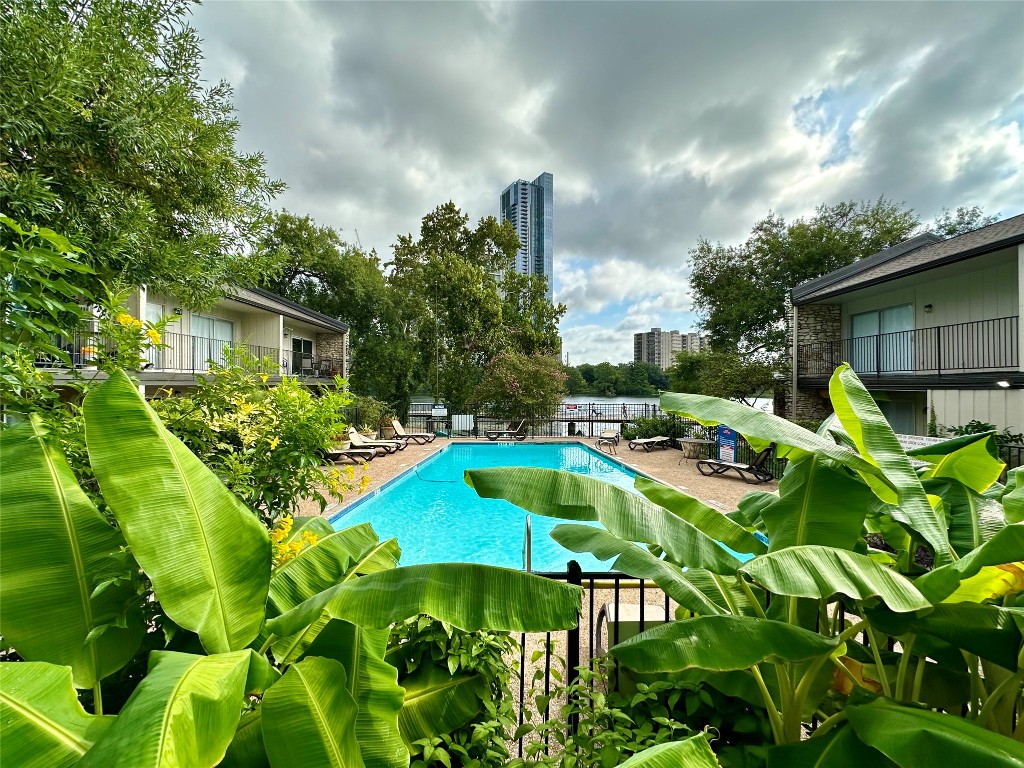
(529, 205)
(659, 347)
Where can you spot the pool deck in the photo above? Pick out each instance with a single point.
(665, 465)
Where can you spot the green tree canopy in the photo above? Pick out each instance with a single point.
(517, 385)
(107, 136)
(741, 290)
(723, 374)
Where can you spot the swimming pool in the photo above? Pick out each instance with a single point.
(436, 517)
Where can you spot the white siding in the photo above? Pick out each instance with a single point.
(1002, 407)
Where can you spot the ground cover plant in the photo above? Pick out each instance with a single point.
(869, 652)
(243, 653)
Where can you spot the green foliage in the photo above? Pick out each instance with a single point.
(953, 223)
(365, 412)
(741, 290)
(266, 443)
(642, 427)
(39, 299)
(482, 658)
(516, 385)
(634, 379)
(325, 697)
(728, 375)
(110, 136)
(619, 719)
(805, 628)
(976, 427)
(933, 423)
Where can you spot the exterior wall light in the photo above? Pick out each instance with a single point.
(1004, 384)
(928, 308)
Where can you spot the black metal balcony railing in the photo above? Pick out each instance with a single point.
(183, 353)
(982, 345)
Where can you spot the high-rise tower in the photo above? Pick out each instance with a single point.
(528, 205)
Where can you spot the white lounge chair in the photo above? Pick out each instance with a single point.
(650, 443)
(518, 432)
(382, 446)
(419, 437)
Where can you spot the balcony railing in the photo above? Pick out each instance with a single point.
(982, 345)
(183, 353)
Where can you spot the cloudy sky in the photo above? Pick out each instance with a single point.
(661, 123)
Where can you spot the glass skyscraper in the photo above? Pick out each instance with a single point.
(528, 205)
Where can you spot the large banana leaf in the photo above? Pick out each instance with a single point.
(438, 702)
(627, 515)
(373, 683)
(246, 749)
(207, 555)
(694, 752)
(57, 549)
(821, 572)
(333, 559)
(707, 519)
(468, 596)
(184, 712)
(973, 518)
(638, 562)
(839, 748)
(309, 717)
(919, 738)
(990, 583)
(1007, 546)
(43, 724)
(973, 462)
(1013, 496)
(899, 484)
(987, 631)
(817, 504)
(719, 643)
(760, 429)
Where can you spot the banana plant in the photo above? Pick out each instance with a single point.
(819, 625)
(288, 664)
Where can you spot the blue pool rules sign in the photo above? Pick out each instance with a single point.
(726, 444)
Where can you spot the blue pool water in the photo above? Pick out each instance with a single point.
(436, 517)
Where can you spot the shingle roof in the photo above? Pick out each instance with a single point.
(257, 297)
(918, 254)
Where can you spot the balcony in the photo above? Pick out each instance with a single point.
(185, 354)
(965, 353)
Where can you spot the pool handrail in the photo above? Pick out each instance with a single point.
(528, 547)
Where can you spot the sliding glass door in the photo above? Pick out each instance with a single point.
(882, 340)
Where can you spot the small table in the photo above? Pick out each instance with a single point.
(684, 441)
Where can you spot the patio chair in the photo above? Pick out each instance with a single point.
(609, 434)
(419, 437)
(350, 455)
(382, 446)
(518, 432)
(754, 472)
(650, 443)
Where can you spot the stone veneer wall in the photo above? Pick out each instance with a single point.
(815, 323)
(335, 347)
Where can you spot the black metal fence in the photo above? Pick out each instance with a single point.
(982, 345)
(587, 421)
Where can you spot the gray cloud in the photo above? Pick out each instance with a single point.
(661, 122)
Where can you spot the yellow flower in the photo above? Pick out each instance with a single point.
(153, 335)
(123, 318)
(273, 442)
(309, 537)
(364, 483)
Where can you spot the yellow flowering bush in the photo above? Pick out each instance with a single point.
(285, 549)
(265, 442)
(127, 339)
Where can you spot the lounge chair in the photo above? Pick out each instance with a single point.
(382, 446)
(419, 437)
(351, 455)
(754, 472)
(650, 443)
(518, 432)
(609, 434)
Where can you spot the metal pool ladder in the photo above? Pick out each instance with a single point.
(528, 547)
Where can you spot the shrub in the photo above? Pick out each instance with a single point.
(266, 443)
(642, 427)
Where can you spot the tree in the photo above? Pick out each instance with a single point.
(517, 385)
(950, 224)
(452, 308)
(728, 375)
(574, 381)
(741, 290)
(108, 137)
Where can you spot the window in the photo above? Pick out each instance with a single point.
(302, 355)
(209, 336)
(882, 340)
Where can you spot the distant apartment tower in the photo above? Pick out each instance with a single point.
(657, 347)
(696, 342)
(528, 205)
